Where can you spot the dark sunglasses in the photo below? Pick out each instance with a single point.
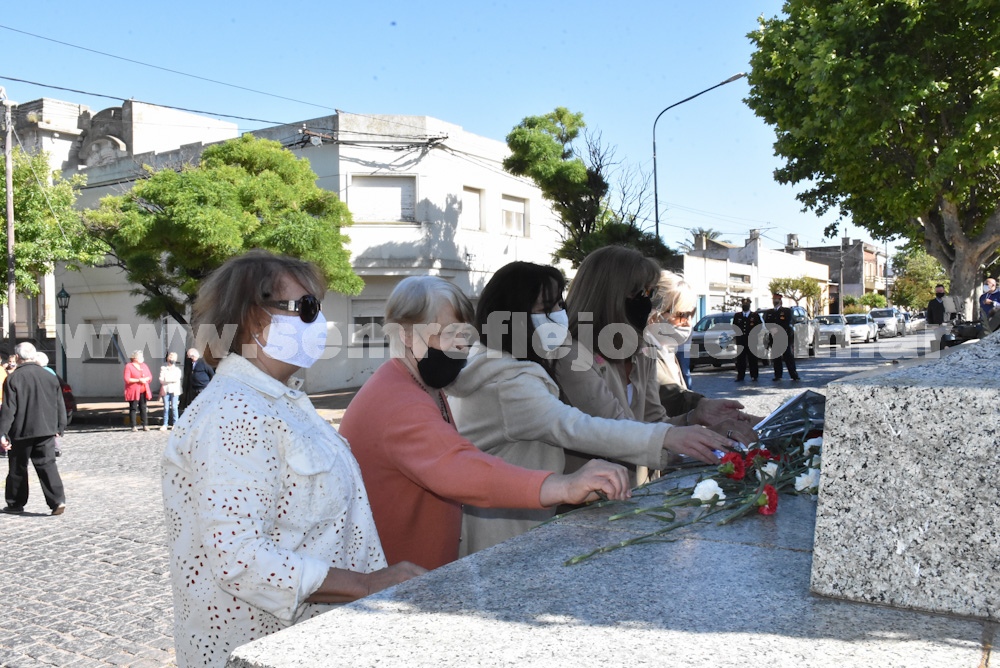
(308, 307)
(648, 292)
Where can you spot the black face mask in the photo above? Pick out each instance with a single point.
(637, 310)
(439, 369)
(940, 295)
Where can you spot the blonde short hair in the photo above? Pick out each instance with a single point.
(674, 295)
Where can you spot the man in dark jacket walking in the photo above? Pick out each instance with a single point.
(31, 416)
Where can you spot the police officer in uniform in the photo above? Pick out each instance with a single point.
(781, 316)
(746, 320)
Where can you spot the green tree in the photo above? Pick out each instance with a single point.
(916, 275)
(591, 213)
(47, 229)
(175, 227)
(614, 233)
(873, 300)
(797, 289)
(886, 111)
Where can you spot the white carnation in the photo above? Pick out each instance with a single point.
(808, 481)
(812, 444)
(769, 470)
(705, 490)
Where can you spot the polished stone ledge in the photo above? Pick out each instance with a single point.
(714, 596)
(909, 509)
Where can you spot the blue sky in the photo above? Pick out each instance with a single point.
(481, 65)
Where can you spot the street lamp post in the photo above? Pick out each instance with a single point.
(62, 299)
(656, 194)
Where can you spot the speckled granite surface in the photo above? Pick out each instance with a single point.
(715, 596)
(909, 509)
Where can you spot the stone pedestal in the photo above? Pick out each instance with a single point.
(909, 507)
(734, 595)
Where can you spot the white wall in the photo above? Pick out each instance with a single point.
(382, 252)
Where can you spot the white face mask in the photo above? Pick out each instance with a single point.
(295, 342)
(552, 328)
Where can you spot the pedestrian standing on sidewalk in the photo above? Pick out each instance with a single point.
(746, 320)
(197, 378)
(31, 417)
(137, 393)
(170, 390)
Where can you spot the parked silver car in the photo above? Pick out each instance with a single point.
(833, 330)
(890, 321)
(862, 327)
(713, 340)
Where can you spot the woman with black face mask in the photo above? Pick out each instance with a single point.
(417, 468)
(610, 372)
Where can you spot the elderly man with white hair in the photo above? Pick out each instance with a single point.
(31, 416)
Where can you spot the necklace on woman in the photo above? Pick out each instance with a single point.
(437, 395)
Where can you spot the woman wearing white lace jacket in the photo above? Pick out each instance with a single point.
(267, 517)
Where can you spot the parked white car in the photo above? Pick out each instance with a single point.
(833, 330)
(862, 327)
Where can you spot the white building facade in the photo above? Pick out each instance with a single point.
(720, 273)
(426, 198)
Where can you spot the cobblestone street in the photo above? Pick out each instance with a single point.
(90, 587)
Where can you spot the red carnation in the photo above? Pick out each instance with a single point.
(731, 465)
(768, 501)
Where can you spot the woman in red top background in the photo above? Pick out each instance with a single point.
(137, 378)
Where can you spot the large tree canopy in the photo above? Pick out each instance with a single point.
(175, 227)
(577, 187)
(886, 110)
(47, 228)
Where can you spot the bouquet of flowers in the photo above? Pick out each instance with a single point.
(786, 459)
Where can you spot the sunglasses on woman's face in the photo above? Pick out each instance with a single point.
(308, 307)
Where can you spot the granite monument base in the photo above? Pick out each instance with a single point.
(909, 504)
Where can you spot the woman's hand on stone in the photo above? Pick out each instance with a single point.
(393, 575)
(696, 442)
(737, 430)
(596, 478)
(712, 411)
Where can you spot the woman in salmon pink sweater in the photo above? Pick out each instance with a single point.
(417, 468)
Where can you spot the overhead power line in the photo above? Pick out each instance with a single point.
(165, 106)
(167, 69)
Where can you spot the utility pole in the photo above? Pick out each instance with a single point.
(8, 155)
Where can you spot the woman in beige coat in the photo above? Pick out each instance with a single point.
(507, 400)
